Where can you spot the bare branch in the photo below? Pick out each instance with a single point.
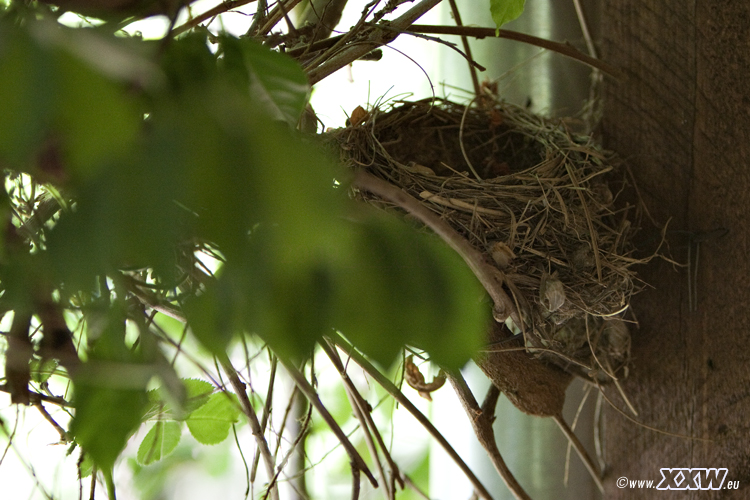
(361, 412)
(247, 408)
(376, 38)
(560, 48)
(481, 421)
(391, 388)
(488, 275)
(356, 461)
(580, 450)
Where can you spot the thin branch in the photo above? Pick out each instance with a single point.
(572, 438)
(341, 42)
(376, 38)
(394, 391)
(298, 440)
(585, 28)
(488, 275)
(481, 421)
(560, 48)
(223, 7)
(356, 461)
(276, 15)
(467, 49)
(266, 409)
(247, 407)
(64, 438)
(361, 411)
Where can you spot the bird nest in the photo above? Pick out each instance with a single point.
(541, 202)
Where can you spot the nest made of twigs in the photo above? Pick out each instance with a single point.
(539, 199)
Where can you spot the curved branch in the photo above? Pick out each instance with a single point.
(361, 413)
(488, 275)
(223, 7)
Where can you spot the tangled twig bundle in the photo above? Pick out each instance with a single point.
(535, 198)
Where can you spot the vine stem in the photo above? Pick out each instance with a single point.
(467, 48)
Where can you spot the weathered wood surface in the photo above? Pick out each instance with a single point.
(682, 118)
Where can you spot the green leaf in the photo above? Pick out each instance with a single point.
(109, 394)
(406, 287)
(210, 423)
(159, 442)
(104, 420)
(196, 394)
(87, 466)
(81, 119)
(276, 81)
(42, 370)
(504, 11)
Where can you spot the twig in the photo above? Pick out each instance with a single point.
(598, 432)
(457, 204)
(64, 438)
(266, 410)
(572, 438)
(391, 388)
(223, 7)
(573, 424)
(299, 438)
(259, 18)
(377, 37)
(585, 28)
(359, 408)
(561, 48)
(414, 487)
(481, 421)
(467, 49)
(341, 41)
(645, 426)
(247, 407)
(489, 276)
(461, 137)
(276, 14)
(356, 461)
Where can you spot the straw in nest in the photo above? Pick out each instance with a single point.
(538, 199)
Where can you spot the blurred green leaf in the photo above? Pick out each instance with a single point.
(87, 466)
(504, 11)
(276, 81)
(57, 106)
(104, 419)
(159, 442)
(406, 287)
(42, 370)
(196, 395)
(109, 389)
(26, 74)
(210, 423)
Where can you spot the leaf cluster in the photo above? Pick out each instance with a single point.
(145, 178)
